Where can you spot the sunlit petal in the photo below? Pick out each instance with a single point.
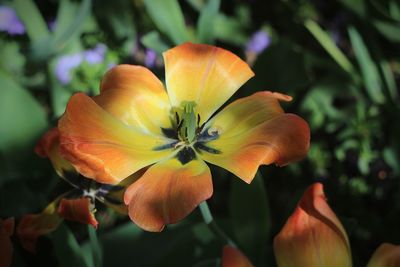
(102, 147)
(313, 236)
(254, 131)
(386, 255)
(168, 192)
(136, 96)
(205, 74)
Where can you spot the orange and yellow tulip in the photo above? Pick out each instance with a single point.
(135, 122)
(386, 255)
(313, 236)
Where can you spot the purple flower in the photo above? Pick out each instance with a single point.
(9, 21)
(259, 41)
(64, 66)
(96, 55)
(150, 59)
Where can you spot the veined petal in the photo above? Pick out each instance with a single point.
(168, 192)
(205, 74)
(313, 236)
(49, 146)
(386, 255)
(77, 210)
(254, 131)
(137, 97)
(232, 257)
(7, 249)
(100, 146)
(32, 226)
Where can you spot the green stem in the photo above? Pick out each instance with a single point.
(213, 226)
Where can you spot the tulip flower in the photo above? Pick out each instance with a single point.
(387, 255)
(6, 246)
(313, 236)
(136, 123)
(233, 257)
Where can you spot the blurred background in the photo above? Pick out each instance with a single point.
(340, 60)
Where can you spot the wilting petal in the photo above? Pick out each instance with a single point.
(77, 210)
(312, 236)
(232, 257)
(6, 246)
(32, 226)
(387, 255)
(136, 96)
(205, 74)
(49, 146)
(102, 147)
(253, 131)
(167, 192)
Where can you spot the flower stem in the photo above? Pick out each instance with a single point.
(213, 226)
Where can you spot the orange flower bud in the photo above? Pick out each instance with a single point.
(233, 257)
(387, 255)
(313, 236)
(78, 210)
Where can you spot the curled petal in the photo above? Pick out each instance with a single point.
(49, 146)
(77, 210)
(136, 96)
(387, 255)
(102, 147)
(32, 226)
(313, 236)
(254, 131)
(232, 257)
(205, 74)
(167, 192)
(7, 249)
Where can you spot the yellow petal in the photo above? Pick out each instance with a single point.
(387, 255)
(100, 146)
(205, 74)
(313, 236)
(168, 192)
(253, 131)
(134, 95)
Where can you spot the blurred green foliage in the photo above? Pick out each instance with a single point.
(338, 59)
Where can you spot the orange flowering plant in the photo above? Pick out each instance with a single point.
(135, 122)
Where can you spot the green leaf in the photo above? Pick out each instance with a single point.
(97, 253)
(390, 31)
(153, 41)
(12, 61)
(329, 45)
(67, 249)
(369, 70)
(389, 80)
(22, 119)
(229, 29)
(168, 17)
(206, 22)
(249, 208)
(357, 6)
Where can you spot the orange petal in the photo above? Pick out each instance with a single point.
(205, 74)
(100, 146)
(32, 226)
(49, 146)
(387, 255)
(167, 193)
(313, 236)
(77, 210)
(136, 96)
(254, 131)
(6, 246)
(232, 257)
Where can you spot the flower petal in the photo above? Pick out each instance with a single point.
(102, 147)
(32, 226)
(49, 146)
(136, 96)
(232, 257)
(386, 255)
(205, 74)
(77, 210)
(313, 236)
(168, 192)
(254, 131)
(7, 249)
